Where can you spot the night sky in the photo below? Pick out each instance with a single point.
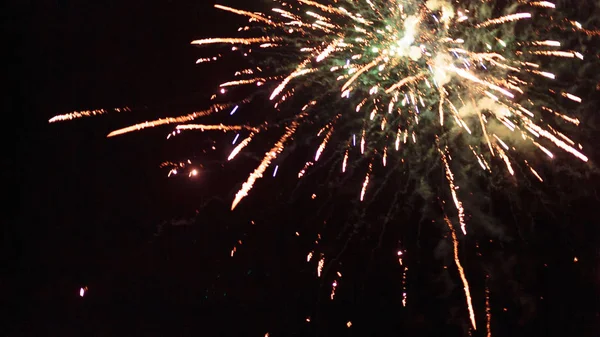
(100, 213)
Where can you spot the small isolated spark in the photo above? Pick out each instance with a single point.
(82, 291)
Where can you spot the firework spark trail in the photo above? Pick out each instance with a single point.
(453, 188)
(233, 40)
(245, 13)
(170, 120)
(488, 313)
(461, 272)
(240, 146)
(220, 127)
(84, 113)
(269, 157)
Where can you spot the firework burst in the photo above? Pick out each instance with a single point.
(463, 77)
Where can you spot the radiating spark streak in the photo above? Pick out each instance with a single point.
(330, 48)
(322, 7)
(242, 82)
(325, 140)
(362, 143)
(233, 40)
(170, 120)
(473, 78)
(245, 13)
(504, 19)
(461, 272)
(240, 146)
(546, 4)
(309, 256)
(345, 161)
(269, 156)
(453, 188)
(561, 144)
(557, 53)
(361, 71)
(219, 127)
(404, 81)
(282, 85)
(84, 113)
(545, 150)
(365, 183)
(571, 97)
(504, 157)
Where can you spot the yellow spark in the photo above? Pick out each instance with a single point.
(556, 53)
(384, 156)
(269, 156)
(330, 48)
(345, 161)
(503, 19)
(362, 143)
(546, 4)
(320, 266)
(241, 82)
(83, 113)
(404, 81)
(561, 144)
(233, 40)
(365, 183)
(571, 97)
(240, 146)
(461, 272)
(170, 120)
(245, 13)
(281, 86)
(219, 127)
(362, 70)
(453, 188)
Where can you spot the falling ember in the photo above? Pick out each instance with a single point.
(453, 188)
(365, 183)
(461, 272)
(488, 312)
(333, 286)
(320, 266)
(349, 324)
(345, 161)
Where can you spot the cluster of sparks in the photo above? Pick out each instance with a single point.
(410, 70)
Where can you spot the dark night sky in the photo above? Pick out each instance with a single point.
(89, 208)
